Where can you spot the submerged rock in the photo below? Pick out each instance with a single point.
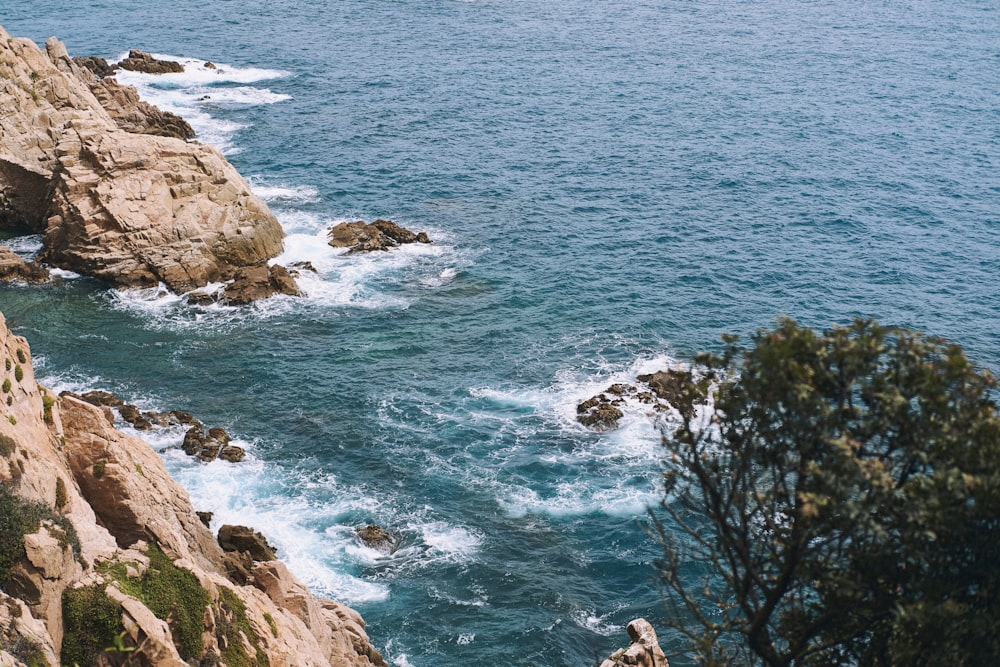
(140, 61)
(376, 537)
(360, 236)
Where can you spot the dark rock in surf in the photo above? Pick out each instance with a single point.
(247, 540)
(139, 61)
(382, 235)
(96, 64)
(252, 283)
(678, 388)
(377, 538)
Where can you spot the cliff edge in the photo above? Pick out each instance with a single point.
(81, 164)
(103, 560)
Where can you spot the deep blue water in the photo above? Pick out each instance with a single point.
(610, 187)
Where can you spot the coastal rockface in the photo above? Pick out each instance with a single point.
(103, 560)
(111, 184)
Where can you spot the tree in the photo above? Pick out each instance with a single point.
(838, 504)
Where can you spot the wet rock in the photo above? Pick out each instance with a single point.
(376, 537)
(258, 282)
(184, 417)
(99, 66)
(678, 388)
(101, 398)
(599, 414)
(621, 389)
(209, 446)
(360, 236)
(13, 267)
(219, 434)
(232, 453)
(129, 413)
(210, 65)
(139, 61)
(244, 539)
(200, 298)
(194, 440)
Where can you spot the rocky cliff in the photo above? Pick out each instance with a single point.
(81, 162)
(103, 560)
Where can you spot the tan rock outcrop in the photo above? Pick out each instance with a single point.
(129, 515)
(644, 651)
(130, 209)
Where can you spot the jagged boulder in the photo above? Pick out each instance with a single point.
(259, 282)
(14, 267)
(130, 209)
(376, 537)
(140, 61)
(599, 412)
(67, 466)
(244, 539)
(644, 651)
(360, 236)
(679, 388)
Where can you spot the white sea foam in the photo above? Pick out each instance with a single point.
(283, 194)
(26, 246)
(195, 91)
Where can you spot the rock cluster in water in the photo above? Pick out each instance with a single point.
(671, 389)
(205, 444)
(103, 530)
(113, 187)
(363, 236)
(377, 538)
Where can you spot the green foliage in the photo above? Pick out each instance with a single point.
(12, 419)
(844, 499)
(19, 517)
(21, 356)
(271, 624)
(18, 373)
(6, 362)
(91, 623)
(61, 497)
(99, 468)
(7, 445)
(230, 622)
(172, 594)
(6, 386)
(27, 651)
(47, 403)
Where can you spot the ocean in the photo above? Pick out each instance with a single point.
(609, 187)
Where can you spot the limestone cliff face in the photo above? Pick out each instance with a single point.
(127, 207)
(103, 523)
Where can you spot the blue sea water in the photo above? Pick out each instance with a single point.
(610, 186)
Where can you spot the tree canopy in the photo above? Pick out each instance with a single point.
(838, 503)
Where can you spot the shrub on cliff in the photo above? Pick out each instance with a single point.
(19, 517)
(840, 505)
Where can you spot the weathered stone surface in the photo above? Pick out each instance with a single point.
(599, 412)
(130, 209)
(111, 481)
(678, 388)
(360, 236)
(96, 64)
(376, 537)
(242, 538)
(232, 453)
(259, 282)
(13, 267)
(644, 651)
(140, 61)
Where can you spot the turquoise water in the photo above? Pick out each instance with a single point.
(610, 188)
